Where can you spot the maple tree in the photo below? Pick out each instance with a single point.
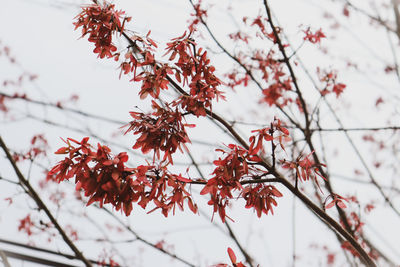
(258, 164)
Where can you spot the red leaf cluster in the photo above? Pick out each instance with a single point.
(305, 168)
(26, 225)
(199, 15)
(240, 36)
(272, 70)
(328, 78)
(197, 72)
(154, 80)
(154, 74)
(3, 106)
(163, 130)
(106, 179)
(313, 37)
(158, 180)
(261, 198)
(39, 147)
(232, 256)
(268, 134)
(100, 23)
(229, 172)
(235, 81)
(356, 228)
(261, 22)
(336, 199)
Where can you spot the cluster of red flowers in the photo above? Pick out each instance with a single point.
(105, 179)
(100, 23)
(240, 163)
(154, 74)
(259, 22)
(162, 131)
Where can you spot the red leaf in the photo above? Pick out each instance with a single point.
(183, 179)
(206, 190)
(63, 150)
(341, 204)
(232, 255)
(330, 205)
(108, 162)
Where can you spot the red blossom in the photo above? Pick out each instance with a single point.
(39, 146)
(330, 258)
(379, 101)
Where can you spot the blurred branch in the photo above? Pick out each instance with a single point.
(307, 134)
(57, 253)
(141, 239)
(376, 19)
(42, 206)
(3, 257)
(58, 106)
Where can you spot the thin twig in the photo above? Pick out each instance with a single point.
(42, 206)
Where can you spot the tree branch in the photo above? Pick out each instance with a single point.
(42, 206)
